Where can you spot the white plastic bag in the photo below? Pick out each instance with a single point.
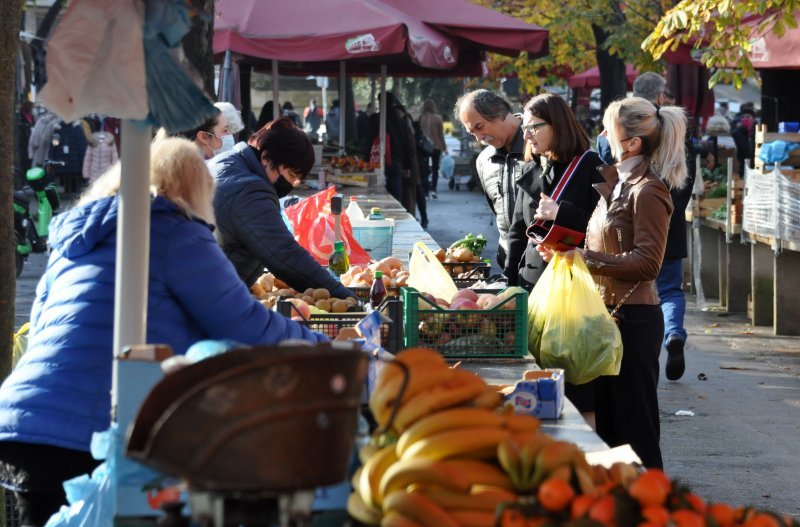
(447, 166)
(95, 61)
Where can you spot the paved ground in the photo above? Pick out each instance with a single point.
(741, 443)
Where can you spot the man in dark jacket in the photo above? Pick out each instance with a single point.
(488, 117)
(250, 180)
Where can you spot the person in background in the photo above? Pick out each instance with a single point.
(288, 111)
(423, 162)
(625, 244)
(332, 122)
(556, 140)
(59, 393)
(433, 127)
(669, 97)
(313, 118)
(743, 131)
(25, 125)
(488, 117)
(234, 119)
(405, 162)
(724, 110)
(266, 115)
(362, 129)
(212, 137)
(251, 179)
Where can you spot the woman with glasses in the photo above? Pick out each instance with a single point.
(625, 243)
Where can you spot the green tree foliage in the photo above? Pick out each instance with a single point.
(716, 29)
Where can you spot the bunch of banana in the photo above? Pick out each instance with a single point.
(531, 459)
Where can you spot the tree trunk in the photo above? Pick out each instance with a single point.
(613, 83)
(198, 46)
(9, 38)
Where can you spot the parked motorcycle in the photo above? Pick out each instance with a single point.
(31, 229)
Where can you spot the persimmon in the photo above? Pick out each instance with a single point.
(555, 494)
(580, 506)
(651, 488)
(604, 510)
(656, 515)
(511, 517)
(723, 514)
(696, 502)
(760, 519)
(687, 518)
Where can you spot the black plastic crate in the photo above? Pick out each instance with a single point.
(476, 270)
(362, 293)
(12, 514)
(332, 323)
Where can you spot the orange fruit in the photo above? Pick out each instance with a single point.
(760, 519)
(555, 494)
(722, 513)
(651, 488)
(580, 506)
(687, 518)
(656, 515)
(604, 510)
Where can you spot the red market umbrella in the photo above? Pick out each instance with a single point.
(769, 51)
(591, 78)
(309, 36)
(479, 26)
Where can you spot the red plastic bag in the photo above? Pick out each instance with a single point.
(313, 228)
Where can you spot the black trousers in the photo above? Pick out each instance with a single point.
(41, 470)
(435, 156)
(626, 406)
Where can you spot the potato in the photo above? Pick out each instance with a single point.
(267, 281)
(463, 254)
(323, 304)
(440, 254)
(280, 284)
(392, 262)
(307, 299)
(309, 292)
(351, 300)
(258, 290)
(320, 294)
(339, 306)
(285, 291)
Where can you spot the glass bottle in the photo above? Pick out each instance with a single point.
(378, 290)
(339, 262)
(376, 214)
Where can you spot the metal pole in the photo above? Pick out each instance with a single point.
(276, 106)
(226, 82)
(342, 104)
(382, 133)
(133, 242)
(728, 201)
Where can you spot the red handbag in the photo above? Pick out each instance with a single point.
(548, 233)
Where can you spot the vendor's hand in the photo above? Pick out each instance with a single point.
(547, 208)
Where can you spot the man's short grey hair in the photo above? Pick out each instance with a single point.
(649, 86)
(489, 105)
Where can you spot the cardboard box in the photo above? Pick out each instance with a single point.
(540, 394)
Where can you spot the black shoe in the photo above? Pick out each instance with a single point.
(433, 195)
(675, 363)
(424, 224)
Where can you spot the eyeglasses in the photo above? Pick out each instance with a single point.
(533, 128)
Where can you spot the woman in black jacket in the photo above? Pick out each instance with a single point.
(555, 139)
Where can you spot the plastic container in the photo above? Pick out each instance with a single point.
(375, 236)
(376, 214)
(339, 262)
(353, 211)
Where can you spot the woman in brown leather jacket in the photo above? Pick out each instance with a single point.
(625, 243)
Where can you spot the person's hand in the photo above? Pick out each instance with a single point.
(547, 209)
(545, 252)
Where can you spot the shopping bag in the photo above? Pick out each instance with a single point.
(428, 275)
(447, 166)
(313, 225)
(569, 325)
(20, 343)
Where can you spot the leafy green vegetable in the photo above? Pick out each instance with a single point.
(473, 243)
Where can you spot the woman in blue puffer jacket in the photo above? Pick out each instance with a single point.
(59, 393)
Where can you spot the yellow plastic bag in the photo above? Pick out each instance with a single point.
(20, 343)
(570, 327)
(428, 275)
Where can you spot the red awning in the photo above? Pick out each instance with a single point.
(591, 78)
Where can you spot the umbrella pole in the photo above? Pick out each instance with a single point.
(225, 90)
(342, 104)
(133, 242)
(276, 106)
(382, 126)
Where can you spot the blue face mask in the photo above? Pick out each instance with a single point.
(227, 144)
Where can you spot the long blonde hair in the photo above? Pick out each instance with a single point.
(662, 131)
(177, 172)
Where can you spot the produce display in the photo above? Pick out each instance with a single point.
(447, 453)
(394, 275)
(268, 289)
(351, 164)
(463, 256)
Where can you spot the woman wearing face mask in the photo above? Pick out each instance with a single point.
(625, 244)
(212, 137)
(251, 178)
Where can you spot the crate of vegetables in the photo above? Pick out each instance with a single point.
(472, 324)
(462, 260)
(359, 278)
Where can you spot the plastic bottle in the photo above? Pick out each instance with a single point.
(339, 262)
(353, 211)
(376, 214)
(378, 290)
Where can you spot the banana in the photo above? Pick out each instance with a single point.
(623, 473)
(529, 450)
(366, 452)
(395, 519)
(361, 511)
(372, 472)
(585, 482)
(461, 388)
(422, 471)
(356, 477)
(521, 422)
(384, 397)
(502, 495)
(459, 442)
(489, 399)
(419, 508)
(459, 417)
(552, 456)
(411, 358)
(473, 518)
(508, 454)
(481, 473)
(449, 500)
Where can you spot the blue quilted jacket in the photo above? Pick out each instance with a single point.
(59, 393)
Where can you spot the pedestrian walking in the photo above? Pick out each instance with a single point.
(433, 127)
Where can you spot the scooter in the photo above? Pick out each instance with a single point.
(31, 230)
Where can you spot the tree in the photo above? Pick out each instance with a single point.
(9, 38)
(716, 28)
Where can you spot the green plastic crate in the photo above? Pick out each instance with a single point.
(498, 332)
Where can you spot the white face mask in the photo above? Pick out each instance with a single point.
(227, 144)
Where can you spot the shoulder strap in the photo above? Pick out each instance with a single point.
(564, 181)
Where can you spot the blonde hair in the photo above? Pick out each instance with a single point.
(178, 172)
(662, 131)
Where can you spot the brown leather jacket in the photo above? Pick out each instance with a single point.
(626, 237)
